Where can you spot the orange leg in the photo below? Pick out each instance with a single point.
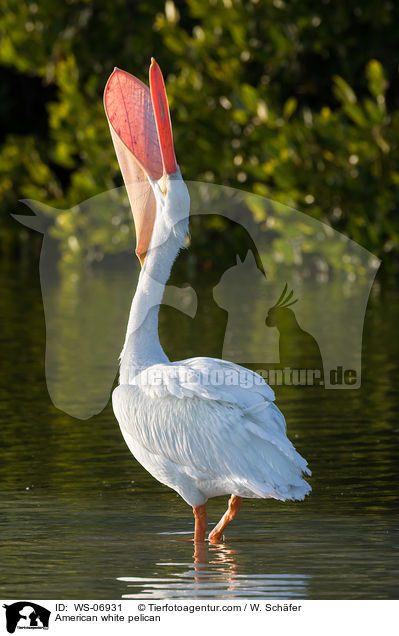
(201, 522)
(233, 508)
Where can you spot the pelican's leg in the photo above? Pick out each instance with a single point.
(201, 522)
(233, 508)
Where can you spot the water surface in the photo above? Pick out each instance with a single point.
(81, 519)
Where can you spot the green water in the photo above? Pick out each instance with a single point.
(81, 519)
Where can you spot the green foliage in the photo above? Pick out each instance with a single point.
(295, 101)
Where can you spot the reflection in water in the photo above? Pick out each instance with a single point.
(214, 573)
(81, 519)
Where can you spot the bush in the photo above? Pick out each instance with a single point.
(288, 100)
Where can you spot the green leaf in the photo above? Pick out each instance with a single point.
(376, 79)
(290, 107)
(343, 91)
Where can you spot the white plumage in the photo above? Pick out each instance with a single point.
(204, 427)
(204, 440)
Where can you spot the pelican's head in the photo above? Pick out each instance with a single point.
(141, 130)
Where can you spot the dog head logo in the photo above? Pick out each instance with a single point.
(26, 615)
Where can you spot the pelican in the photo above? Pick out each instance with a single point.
(204, 427)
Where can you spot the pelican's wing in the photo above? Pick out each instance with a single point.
(202, 416)
(207, 378)
(214, 439)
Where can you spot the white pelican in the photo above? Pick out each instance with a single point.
(204, 427)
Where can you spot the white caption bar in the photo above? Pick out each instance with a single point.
(299, 617)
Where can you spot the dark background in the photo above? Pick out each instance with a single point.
(297, 101)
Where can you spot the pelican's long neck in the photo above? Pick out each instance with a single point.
(142, 347)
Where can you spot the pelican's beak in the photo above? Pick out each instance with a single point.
(162, 119)
(141, 130)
